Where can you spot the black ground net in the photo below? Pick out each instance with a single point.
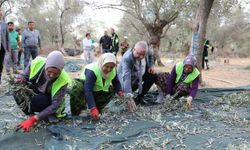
(219, 119)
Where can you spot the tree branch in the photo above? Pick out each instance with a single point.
(2, 2)
(165, 30)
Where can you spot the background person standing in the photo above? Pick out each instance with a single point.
(115, 42)
(105, 43)
(88, 49)
(20, 50)
(4, 42)
(124, 45)
(11, 57)
(31, 40)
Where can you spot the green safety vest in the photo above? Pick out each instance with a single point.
(63, 79)
(99, 86)
(191, 76)
(115, 40)
(209, 47)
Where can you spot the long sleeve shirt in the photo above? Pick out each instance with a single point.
(171, 83)
(128, 70)
(106, 42)
(4, 33)
(31, 38)
(87, 44)
(89, 84)
(57, 99)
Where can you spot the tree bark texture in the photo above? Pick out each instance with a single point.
(200, 27)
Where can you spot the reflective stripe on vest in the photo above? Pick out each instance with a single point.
(99, 86)
(115, 40)
(63, 79)
(191, 76)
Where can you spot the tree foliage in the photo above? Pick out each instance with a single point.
(49, 15)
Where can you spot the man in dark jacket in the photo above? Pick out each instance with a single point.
(207, 46)
(105, 43)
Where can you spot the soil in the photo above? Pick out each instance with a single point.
(220, 75)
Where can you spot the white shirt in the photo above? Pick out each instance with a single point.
(87, 44)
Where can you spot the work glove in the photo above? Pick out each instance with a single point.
(94, 113)
(189, 102)
(19, 79)
(27, 124)
(120, 94)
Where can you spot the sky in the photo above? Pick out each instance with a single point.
(109, 17)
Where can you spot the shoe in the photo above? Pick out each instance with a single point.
(139, 100)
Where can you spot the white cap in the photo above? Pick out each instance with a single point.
(125, 37)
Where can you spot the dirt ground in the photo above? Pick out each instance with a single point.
(220, 75)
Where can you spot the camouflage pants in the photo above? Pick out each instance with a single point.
(161, 82)
(181, 88)
(77, 99)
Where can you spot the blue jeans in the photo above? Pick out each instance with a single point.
(27, 52)
(106, 50)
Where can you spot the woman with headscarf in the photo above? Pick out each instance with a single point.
(48, 80)
(94, 87)
(184, 79)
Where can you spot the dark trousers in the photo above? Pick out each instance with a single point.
(105, 50)
(40, 102)
(204, 61)
(2, 54)
(19, 57)
(148, 80)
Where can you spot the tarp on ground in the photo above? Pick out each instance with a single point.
(208, 125)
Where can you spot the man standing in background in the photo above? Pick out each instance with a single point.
(105, 43)
(4, 42)
(31, 40)
(11, 57)
(20, 50)
(124, 45)
(115, 42)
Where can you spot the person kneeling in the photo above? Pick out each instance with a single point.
(48, 82)
(94, 86)
(184, 80)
